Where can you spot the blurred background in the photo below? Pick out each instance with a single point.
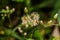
(46, 10)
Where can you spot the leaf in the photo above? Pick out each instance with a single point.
(47, 31)
(51, 38)
(19, 0)
(57, 5)
(59, 17)
(38, 35)
(8, 32)
(45, 4)
(17, 36)
(28, 2)
(29, 39)
(56, 8)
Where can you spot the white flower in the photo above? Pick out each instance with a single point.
(41, 22)
(32, 19)
(25, 33)
(13, 9)
(24, 20)
(35, 15)
(20, 30)
(26, 25)
(7, 7)
(34, 22)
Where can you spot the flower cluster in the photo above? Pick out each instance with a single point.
(21, 31)
(31, 20)
(7, 11)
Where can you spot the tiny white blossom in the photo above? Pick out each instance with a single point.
(7, 7)
(25, 33)
(35, 15)
(32, 19)
(34, 22)
(13, 9)
(26, 25)
(41, 22)
(24, 20)
(20, 30)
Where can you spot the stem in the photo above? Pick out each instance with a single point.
(9, 20)
(16, 28)
(2, 20)
(3, 17)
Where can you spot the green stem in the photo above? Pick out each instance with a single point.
(2, 20)
(10, 21)
(16, 28)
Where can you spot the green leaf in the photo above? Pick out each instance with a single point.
(57, 5)
(45, 4)
(59, 17)
(30, 39)
(47, 31)
(51, 38)
(8, 32)
(19, 0)
(56, 8)
(38, 35)
(28, 2)
(17, 36)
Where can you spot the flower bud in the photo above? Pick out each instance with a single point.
(5, 14)
(2, 32)
(49, 22)
(2, 14)
(41, 22)
(26, 26)
(25, 33)
(20, 30)
(55, 16)
(25, 10)
(13, 9)
(7, 7)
